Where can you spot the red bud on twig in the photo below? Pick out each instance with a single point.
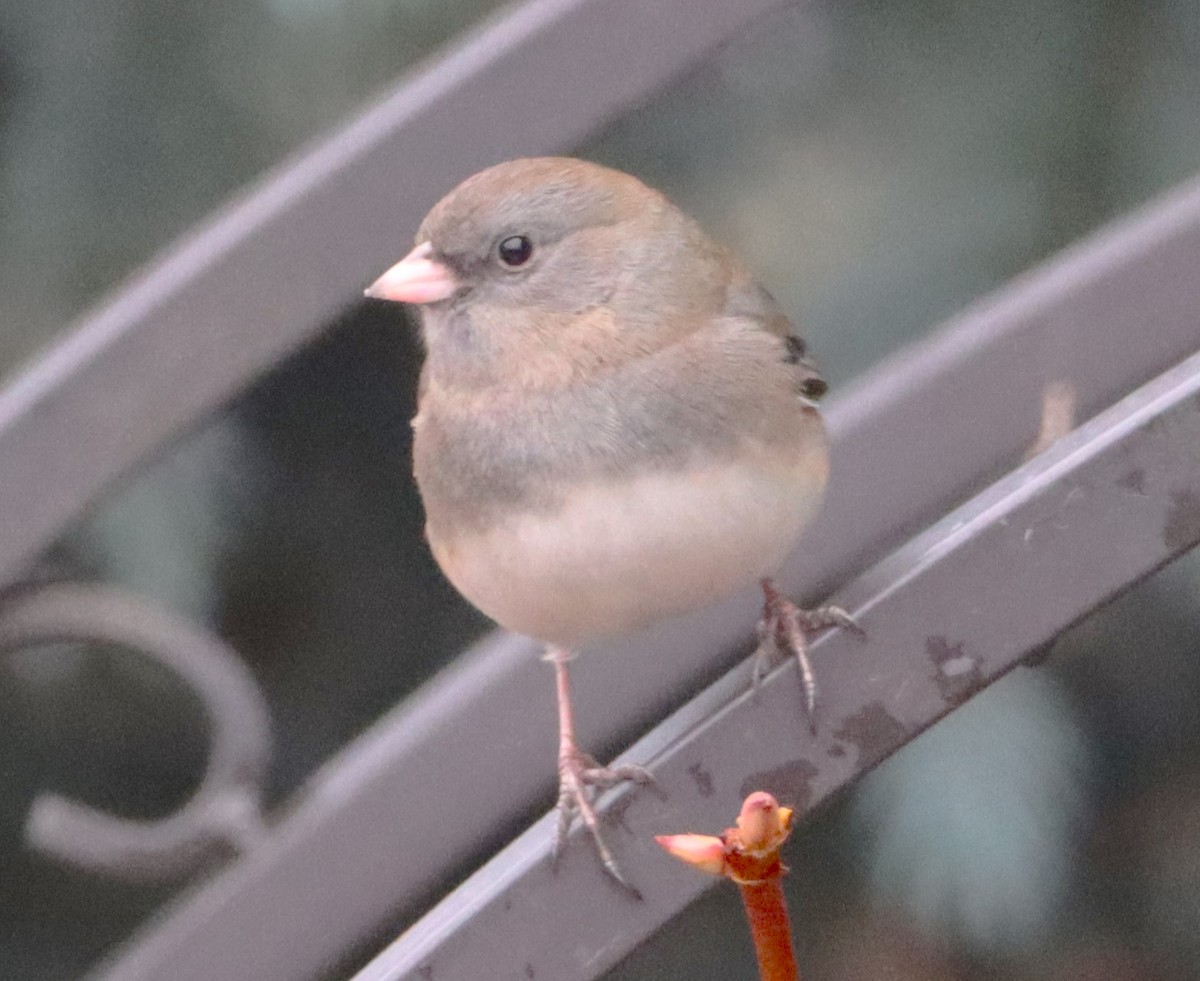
(749, 855)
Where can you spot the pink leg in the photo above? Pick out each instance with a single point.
(578, 773)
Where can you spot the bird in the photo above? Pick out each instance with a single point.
(615, 423)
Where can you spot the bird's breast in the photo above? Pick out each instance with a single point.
(612, 554)
(638, 493)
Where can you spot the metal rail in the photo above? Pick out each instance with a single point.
(224, 813)
(946, 615)
(921, 432)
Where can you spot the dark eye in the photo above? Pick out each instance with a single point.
(515, 250)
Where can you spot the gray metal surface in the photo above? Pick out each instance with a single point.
(919, 433)
(275, 267)
(948, 613)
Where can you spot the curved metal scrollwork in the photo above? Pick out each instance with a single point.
(225, 812)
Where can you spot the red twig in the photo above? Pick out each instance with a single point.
(770, 928)
(749, 855)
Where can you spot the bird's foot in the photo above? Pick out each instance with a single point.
(784, 629)
(579, 778)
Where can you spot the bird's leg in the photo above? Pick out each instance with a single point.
(578, 773)
(784, 629)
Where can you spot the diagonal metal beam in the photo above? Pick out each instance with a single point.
(272, 269)
(913, 437)
(947, 614)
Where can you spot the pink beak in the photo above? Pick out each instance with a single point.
(415, 279)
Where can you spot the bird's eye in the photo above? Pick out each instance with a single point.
(515, 250)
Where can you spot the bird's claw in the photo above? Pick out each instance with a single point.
(580, 778)
(824, 617)
(783, 630)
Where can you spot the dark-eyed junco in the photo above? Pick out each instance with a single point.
(614, 424)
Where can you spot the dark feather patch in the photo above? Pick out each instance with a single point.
(811, 385)
(796, 349)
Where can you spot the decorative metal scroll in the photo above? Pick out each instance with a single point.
(224, 814)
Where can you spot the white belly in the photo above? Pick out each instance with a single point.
(619, 555)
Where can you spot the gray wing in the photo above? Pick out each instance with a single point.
(746, 299)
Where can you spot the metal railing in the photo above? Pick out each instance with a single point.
(1106, 506)
(360, 847)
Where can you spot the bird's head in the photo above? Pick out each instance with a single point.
(552, 266)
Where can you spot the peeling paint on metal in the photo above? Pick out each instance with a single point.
(1134, 482)
(791, 783)
(703, 779)
(1182, 527)
(875, 731)
(956, 672)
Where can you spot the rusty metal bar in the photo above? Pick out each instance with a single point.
(950, 612)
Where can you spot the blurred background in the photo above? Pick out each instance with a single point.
(879, 164)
